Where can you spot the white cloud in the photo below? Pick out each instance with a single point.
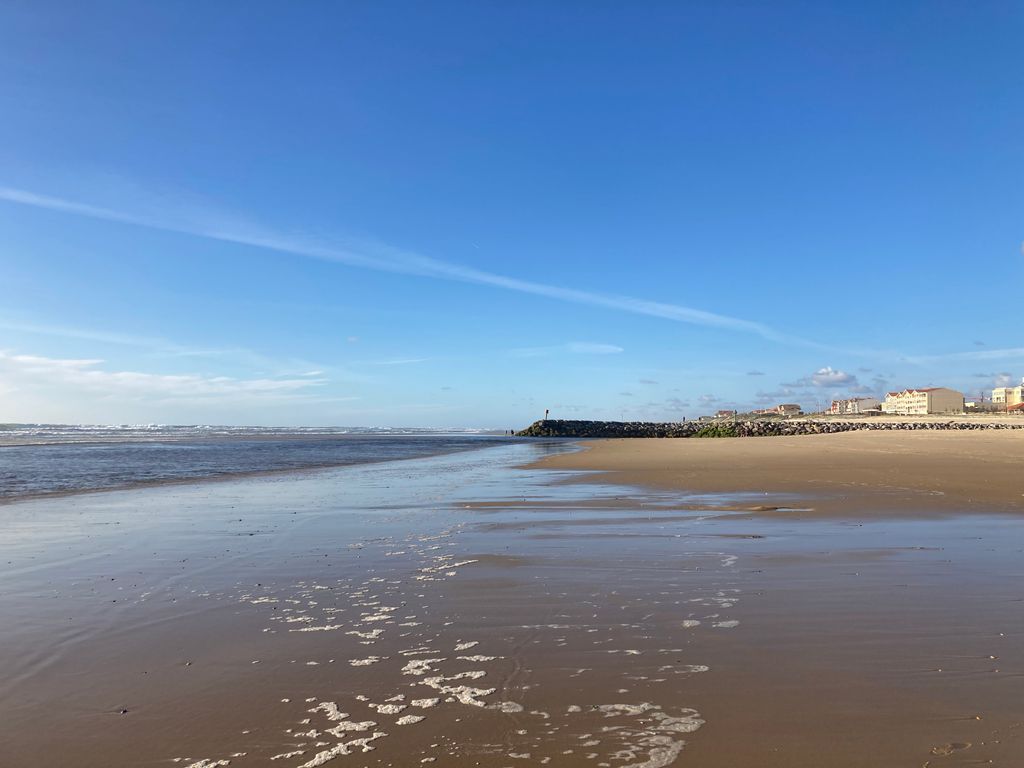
(83, 379)
(381, 257)
(830, 377)
(200, 222)
(159, 347)
(827, 377)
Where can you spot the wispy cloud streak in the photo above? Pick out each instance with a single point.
(161, 347)
(399, 361)
(573, 348)
(35, 372)
(385, 258)
(972, 355)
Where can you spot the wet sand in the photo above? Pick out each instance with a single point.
(456, 611)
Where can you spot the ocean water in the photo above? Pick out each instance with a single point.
(37, 459)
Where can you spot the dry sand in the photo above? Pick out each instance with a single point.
(902, 472)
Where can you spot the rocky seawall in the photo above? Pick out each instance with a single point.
(767, 428)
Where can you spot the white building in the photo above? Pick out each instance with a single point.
(1008, 395)
(855, 405)
(920, 402)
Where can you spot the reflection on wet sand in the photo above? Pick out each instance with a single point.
(425, 613)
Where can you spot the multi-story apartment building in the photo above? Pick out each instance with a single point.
(920, 402)
(855, 405)
(1008, 395)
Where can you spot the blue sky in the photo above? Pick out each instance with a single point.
(460, 214)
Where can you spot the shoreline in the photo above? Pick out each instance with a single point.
(7, 500)
(256, 437)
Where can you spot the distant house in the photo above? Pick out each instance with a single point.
(855, 405)
(788, 409)
(724, 413)
(1008, 396)
(920, 402)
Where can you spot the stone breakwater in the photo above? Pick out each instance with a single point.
(569, 428)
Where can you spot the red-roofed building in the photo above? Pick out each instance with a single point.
(1008, 395)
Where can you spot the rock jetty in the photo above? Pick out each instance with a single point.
(756, 428)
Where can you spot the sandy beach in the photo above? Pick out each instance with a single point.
(872, 637)
(921, 472)
(511, 385)
(721, 603)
